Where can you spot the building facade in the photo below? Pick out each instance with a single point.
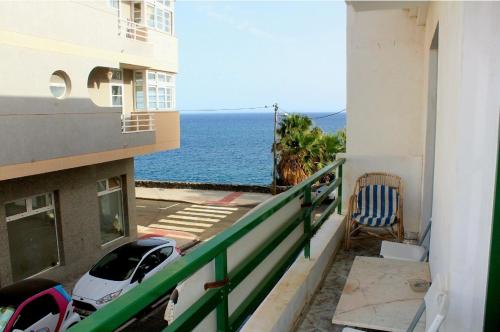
(87, 86)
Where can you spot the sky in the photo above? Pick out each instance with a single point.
(236, 54)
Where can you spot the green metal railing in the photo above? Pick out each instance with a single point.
(133, 302)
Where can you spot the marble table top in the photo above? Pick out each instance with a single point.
(377, 294)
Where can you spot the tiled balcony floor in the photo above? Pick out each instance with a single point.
(318, 317)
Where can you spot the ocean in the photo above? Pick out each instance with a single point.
(222, 148)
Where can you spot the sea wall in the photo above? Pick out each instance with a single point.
(208, 186)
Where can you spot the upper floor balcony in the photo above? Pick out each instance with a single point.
(144, 20)
(137, 33)
(127, 112)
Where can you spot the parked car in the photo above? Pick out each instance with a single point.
(36, 305)
(121, 270)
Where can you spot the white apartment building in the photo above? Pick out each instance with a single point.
(87, 85)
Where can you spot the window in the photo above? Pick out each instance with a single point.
(118, 265)
(59, 84)
(166, 252)
(160, 90)
(139, 90)
(35, 311)
(159, 15)
(115, 4)
(137, 12)
(116, 94)
(150, 262)
(116, 74)
(109, 193)
(32, 232)
(116, 86)
(6, 313)
(154, 90)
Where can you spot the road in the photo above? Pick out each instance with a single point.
(184, 222)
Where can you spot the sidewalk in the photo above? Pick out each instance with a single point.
(196, 196)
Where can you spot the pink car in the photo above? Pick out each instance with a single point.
(36, 305)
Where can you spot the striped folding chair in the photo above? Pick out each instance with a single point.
(377, 203)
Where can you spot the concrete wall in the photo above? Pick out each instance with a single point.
(282, 307)
(384, 102)
(466, 147)
(77, 216)
(386, 47)
(128, 91)
(466, 134)
(98, 85)
(41, 128)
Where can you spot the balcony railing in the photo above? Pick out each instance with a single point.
(298, 227)
(132, 30)
(137, 122)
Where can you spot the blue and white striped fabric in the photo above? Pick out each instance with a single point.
(377, 206)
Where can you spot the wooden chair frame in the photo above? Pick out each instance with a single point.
(353, 229)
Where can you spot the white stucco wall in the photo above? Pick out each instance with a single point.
(468, 103)
(384, 102)
(466, 145)
(384, 59)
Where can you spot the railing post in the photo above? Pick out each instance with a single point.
(307, 220)
(223, 307)
(339, 190)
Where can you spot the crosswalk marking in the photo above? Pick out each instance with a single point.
(202, 214)
(178, 228)
(206, 210)
(215, 207)
(187, 223)
(193, 218)
(168, 207)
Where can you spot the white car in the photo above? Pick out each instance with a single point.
(121, 270)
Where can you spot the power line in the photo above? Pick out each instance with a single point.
(281, 111)
(325, 116)
(317, 117)
(225, 109)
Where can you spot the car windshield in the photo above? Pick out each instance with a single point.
(119, 264)
(5, 314)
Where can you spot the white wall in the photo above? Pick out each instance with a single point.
(384, 102)
(384, 83)
(468, 103)
(466, 145)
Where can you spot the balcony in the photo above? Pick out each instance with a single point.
(132, 30)
(145, 21)
(67, 133)
(238, 267)
(137, 122)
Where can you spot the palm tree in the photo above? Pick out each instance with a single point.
(303, 148)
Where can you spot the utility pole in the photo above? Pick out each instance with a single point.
(275, 160)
